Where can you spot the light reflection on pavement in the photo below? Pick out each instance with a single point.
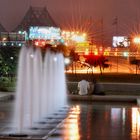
(100, 121)
(88, 121)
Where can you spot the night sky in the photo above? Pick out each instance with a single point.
(69, 12)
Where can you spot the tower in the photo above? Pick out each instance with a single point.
(36, 16)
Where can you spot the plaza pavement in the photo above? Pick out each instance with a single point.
(4, 96)
(60, 126)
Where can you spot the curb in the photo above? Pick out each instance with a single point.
(6, 97)
(106, 98)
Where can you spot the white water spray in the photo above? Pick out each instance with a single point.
(41, 87)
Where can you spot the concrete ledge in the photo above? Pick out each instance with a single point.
(109, 88)
(107, 98)
(6, 96)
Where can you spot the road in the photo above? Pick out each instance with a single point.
(120, 65)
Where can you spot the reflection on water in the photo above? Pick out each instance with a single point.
(72, 129)
(135, 123)
(116, 115)
(102, 121)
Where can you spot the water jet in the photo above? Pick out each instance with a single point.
(41, 87)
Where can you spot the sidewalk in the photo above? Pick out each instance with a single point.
(4, 96)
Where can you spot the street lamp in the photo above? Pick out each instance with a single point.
(136, 40)
(11, 57)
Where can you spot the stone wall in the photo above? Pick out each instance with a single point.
(108, 88)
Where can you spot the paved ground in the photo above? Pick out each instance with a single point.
(99, 121)
(4, 96)
(83, 120)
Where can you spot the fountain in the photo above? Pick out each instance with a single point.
(41, 87)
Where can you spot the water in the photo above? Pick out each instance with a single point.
(41, 88)
(37, 78)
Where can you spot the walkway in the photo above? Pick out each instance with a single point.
(103, 118)
(4, 96)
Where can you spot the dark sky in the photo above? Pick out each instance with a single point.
(68, 12)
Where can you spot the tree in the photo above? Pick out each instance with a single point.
(74, 58)
(8, 61)
(137, 63)
(95, 61)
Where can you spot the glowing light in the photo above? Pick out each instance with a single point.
(4, 39)
(20, 44)
(82, 44)
(136, 40)
(36, 43)
(4, 44)
(46, 33)
(74, 36)
(72, 33)
(43, 43)
(11, 58)
(84, 34)
(66, 43)
(55, 59)
(125, 54)
(95, 52)
(63, 32)
(13, 39)
(106, 53)
(72, 127)
(122, 41)
(67, 60)
(135, 123)
(78, 38)
(32, 55)
(20, 32)
(40, 43)
(86, 51)
(115, 53)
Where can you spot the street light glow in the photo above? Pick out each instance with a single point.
(136, 40)
(67, 60)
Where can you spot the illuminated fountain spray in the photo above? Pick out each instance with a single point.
(41, 87)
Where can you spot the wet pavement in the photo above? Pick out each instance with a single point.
(82, 121)
(100, 121)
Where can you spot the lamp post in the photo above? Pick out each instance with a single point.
(136, 40)
(117, 59)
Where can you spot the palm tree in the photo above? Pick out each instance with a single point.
(137, 63)
(74, 58)
(94, 61)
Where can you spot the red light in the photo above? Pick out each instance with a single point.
(43, 43)
(40, 43)
(36, 43)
